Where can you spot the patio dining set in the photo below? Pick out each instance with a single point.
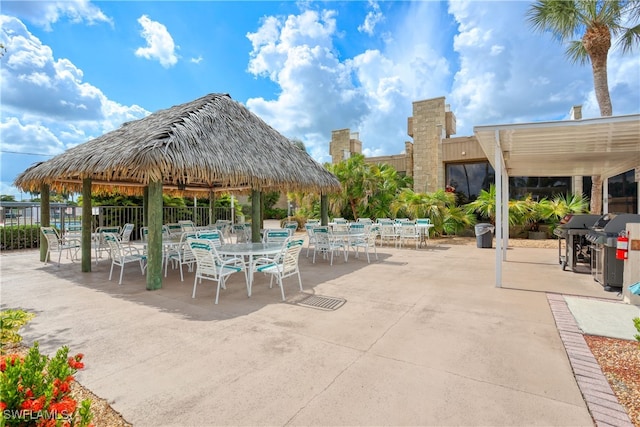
(213, 252)
(217, 251)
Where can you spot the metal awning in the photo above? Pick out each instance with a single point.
(604, 146)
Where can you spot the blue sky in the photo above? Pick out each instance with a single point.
(74, 70)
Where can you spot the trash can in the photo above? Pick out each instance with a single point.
(484, 235)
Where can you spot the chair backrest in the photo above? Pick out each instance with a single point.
(144, 233)
(423, 221)
(125, 236)
(408, 229)
(292, 226)
(109, 229)
(275, 235)
(113, 242)
(52, 236)
(357, 226)
(321, 236)
(206, 256)
(291, 254)
(187, 225)
(174, 228)
(104, 230)
(365, 220)
(215, 236)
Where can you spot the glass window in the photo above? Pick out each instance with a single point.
(467, 179)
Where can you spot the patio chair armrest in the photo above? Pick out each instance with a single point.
(235, 261)
(131, 250)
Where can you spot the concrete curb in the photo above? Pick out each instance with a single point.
(602, 403)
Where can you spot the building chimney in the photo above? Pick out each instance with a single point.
(576, 112)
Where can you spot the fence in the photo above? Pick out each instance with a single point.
(20, 222)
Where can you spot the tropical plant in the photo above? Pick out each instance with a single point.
(10, 322)
(440, 207)
(551, 211)
(593, 22)
(36, 390)
(352, 174)
(485, 207)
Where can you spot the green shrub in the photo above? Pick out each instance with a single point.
(19, 237)
(10, 322)
(301, 220)
(636, 322)
(275, 213)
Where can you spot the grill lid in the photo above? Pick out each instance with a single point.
(582, 221)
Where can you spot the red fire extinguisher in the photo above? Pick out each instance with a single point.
(622, 246)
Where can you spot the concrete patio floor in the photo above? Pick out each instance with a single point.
(424, 338)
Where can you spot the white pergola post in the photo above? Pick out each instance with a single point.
(499, 161)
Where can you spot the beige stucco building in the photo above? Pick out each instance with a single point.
(431, 127)
(432, 150)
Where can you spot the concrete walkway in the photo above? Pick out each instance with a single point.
(424, 338)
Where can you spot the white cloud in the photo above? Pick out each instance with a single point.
(317, 91)
(29, 138)
(46, 13)
(47, 106)
(373, 18)
(371, 93)
(196, 60)
(509, 73)
(160, 45)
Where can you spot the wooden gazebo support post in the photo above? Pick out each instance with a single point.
(45, 218)
(154, 244)
(86, 225)
(255, 216)
(145, 207)
(212, 201)
(324, 209)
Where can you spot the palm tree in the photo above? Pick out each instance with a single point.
(594, 22)
(438, 206)
(485, 207)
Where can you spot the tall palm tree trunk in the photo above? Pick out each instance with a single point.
(597, 42)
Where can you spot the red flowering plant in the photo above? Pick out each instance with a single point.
(36, 390)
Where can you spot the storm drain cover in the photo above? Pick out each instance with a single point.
(322, 303)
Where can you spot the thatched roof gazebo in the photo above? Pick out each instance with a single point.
(207, 145)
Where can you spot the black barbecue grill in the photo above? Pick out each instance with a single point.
(605, 268)
(577, 250)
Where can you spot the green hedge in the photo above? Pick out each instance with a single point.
(19, 237)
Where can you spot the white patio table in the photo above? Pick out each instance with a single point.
(346, 237)
(249, 250)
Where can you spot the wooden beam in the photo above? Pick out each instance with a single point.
(154, 243)
(45, 218)
(324, 209)
(255, 216)
(86, 225)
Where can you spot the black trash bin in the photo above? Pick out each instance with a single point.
(484, 235)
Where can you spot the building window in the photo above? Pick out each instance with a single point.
(539, 187)
(622, 192)
(468, 179)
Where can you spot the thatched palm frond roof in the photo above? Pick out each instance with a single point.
(212, 143)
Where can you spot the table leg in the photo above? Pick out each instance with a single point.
(250, 276)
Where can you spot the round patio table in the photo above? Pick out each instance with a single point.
(249, 250)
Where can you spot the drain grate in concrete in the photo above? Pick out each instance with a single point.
(322, 303)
